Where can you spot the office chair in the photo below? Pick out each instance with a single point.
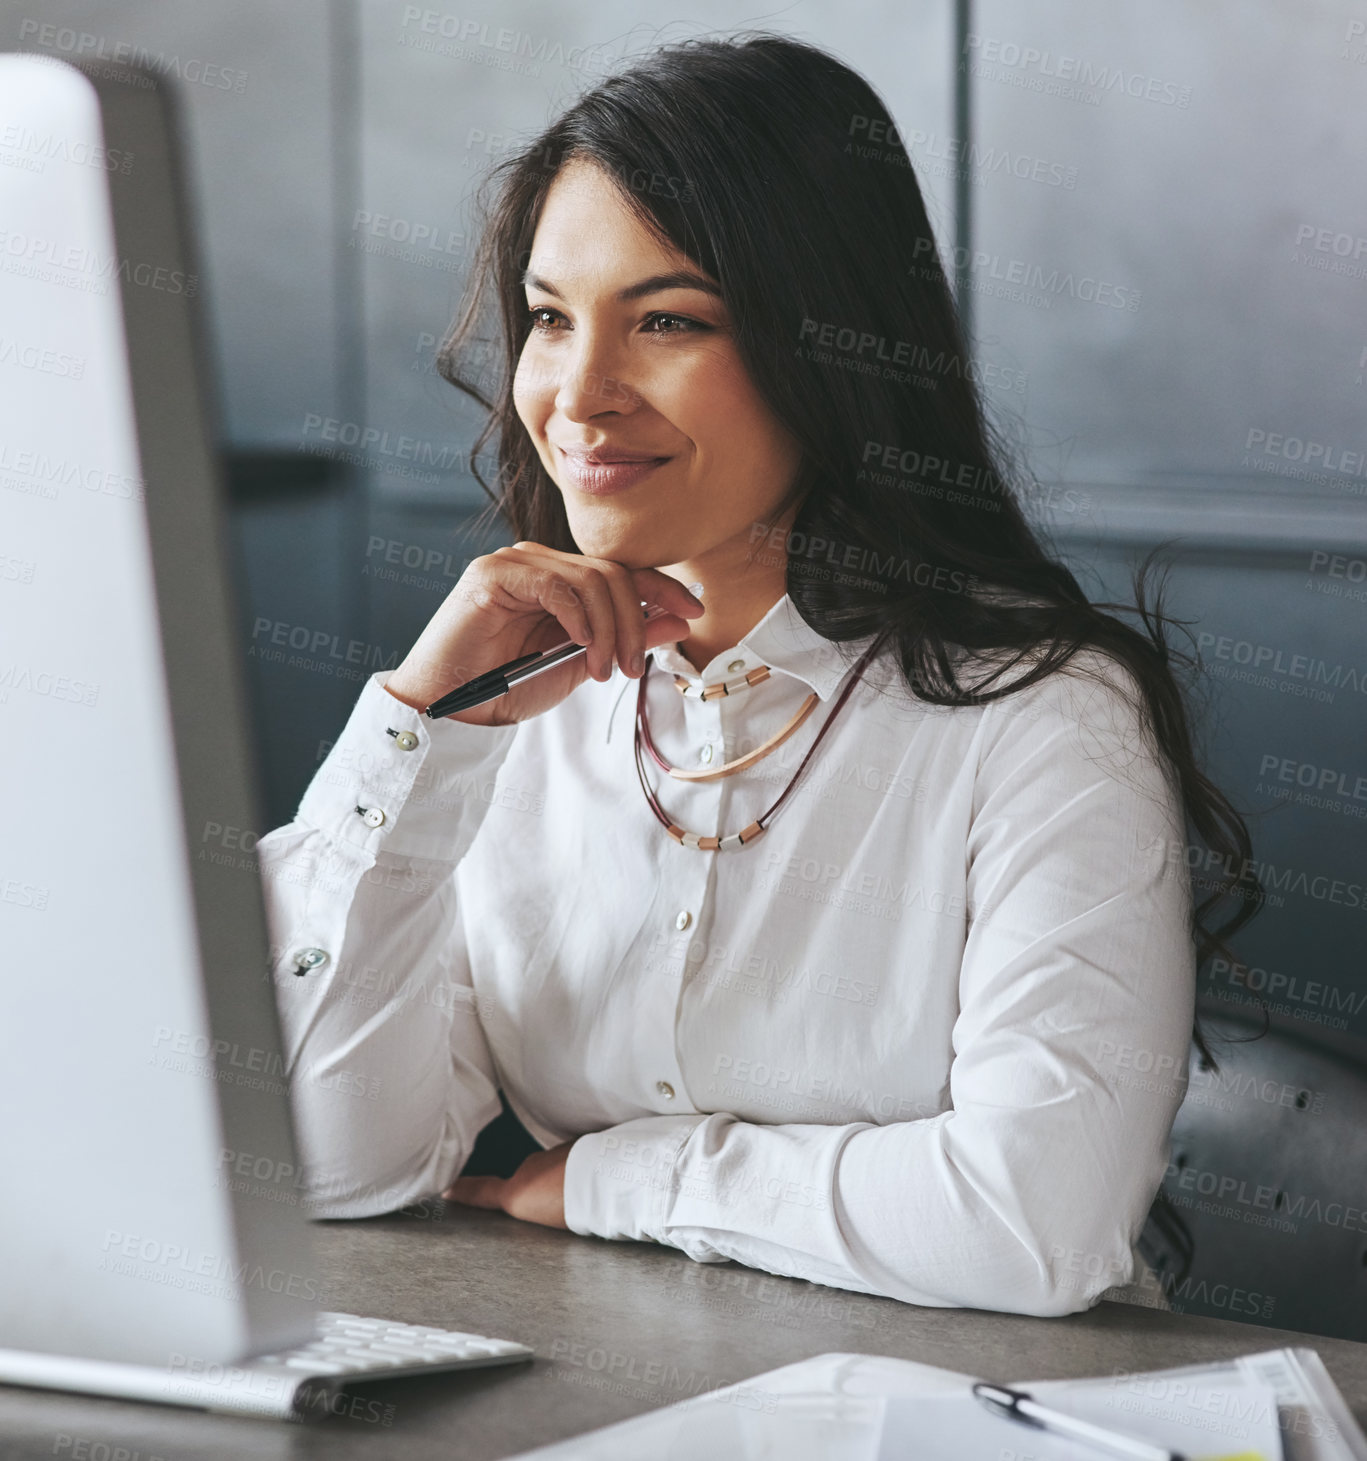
(1262, 1216)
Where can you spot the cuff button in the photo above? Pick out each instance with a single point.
(665, 1089)
(404, 740)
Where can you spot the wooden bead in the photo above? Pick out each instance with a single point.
(713, 843)
(722, 687)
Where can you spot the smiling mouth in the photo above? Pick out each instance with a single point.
(601, 473)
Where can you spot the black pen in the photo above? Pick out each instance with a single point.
(493, 683)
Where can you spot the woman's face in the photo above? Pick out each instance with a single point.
(621, 363)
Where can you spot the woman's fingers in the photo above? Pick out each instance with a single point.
(663, 589)
(476, 1191)
(572, 580)
(535, 1193)
(560, 599)
(630, 620)
(510, 602)
(591, 586)
(609, 596)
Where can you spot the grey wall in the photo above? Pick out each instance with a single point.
(1249, 125)
(257, 93)
(1208, 169)
(1202, 168)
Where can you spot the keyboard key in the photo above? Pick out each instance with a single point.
(352, 1345)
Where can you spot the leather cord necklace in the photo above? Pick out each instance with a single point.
(641, 736)
(757, 676)
(741, 762)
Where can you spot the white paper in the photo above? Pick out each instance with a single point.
(844, 1407)
(1315, 1423)
(1191, 1416)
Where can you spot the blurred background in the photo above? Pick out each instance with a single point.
(1157, 225)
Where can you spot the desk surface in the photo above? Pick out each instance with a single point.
(619, 1328)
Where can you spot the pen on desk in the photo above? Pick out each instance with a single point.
(499, 681)
(1018, 1405)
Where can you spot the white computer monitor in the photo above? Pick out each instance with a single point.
(142, 1069)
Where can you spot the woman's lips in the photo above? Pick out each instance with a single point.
(606, 476)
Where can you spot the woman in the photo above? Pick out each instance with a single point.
(867, 1007)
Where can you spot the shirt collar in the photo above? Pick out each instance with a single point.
(783, 640)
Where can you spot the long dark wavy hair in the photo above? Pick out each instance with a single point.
(778, 170)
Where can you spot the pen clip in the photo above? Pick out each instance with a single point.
(1002, 1400)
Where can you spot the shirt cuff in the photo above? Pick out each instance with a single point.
(619, 1183)
(399, 781)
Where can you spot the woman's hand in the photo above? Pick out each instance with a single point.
(528, 597)
(535, 1193)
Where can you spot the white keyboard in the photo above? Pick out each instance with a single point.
(350, 1346)
(293, 1384)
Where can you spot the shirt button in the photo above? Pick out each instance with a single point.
(373, 817)
(684, 918)
(665, 1089)
(307, 959)
(705, 754)
(736, 666)
(405, 740)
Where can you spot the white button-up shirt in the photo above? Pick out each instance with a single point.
(925, 1037)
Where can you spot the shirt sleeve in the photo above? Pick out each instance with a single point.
(391, 1078)
(1076, 998)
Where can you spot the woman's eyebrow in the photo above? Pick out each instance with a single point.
(655, 284)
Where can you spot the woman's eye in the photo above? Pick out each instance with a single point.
(678, 319)
(540, 309)
(544, 317)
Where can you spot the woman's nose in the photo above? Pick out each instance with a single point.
(592, 383)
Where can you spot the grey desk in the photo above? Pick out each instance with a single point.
(619, 1328)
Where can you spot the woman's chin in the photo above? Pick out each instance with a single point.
(631, 549)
